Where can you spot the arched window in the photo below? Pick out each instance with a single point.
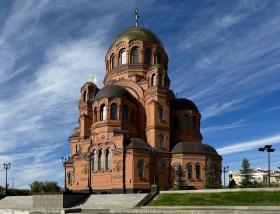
(103, 113)
(124, 113)
(70, 178)
(157, 59)
(194, 123)
(109, 159)
(161, 114)
(85, 96)
(132, 116)
(190, 172)
(113, 112)
(197, 171)
(175, 122)
(91, 96)
(154, 80)
(140, 169)
(122, 57)
(186, 121)
(134, 56)
(101, 160)
(161, 141)
(160, 80)
(78, 149)
(148, 54)
(113, 62)
(94, 161)
(95, 114)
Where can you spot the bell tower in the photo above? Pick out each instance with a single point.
(156, 104)
(88, 92)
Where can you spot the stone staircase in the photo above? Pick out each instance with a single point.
(16, 202)
(104, 203)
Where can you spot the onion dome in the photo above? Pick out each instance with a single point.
(137, 143)
(193, 147)
(89, 84)
(182, 104)
(110, 91)
(137, 33)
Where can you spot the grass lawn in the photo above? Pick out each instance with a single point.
(218, 199)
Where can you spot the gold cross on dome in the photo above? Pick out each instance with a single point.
(137, 17)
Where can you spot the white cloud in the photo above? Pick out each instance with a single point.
(226, 126)
(229, 20)
(37, 117)
(274, 108)
(248, 145)
(232, 73)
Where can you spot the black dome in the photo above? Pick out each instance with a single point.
(182, 104)
(89, 84)
(112, 91)
(137, 143)
(193, 147)
(209, 149)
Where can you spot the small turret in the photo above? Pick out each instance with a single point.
(88, 92)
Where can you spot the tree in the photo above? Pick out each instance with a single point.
(44, 187)
(246, 173)
(2, 190)
(51, 186)
(232, 184)
(210, 181)
(179, 177)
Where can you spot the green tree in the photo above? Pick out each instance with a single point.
(51, 186)
(246, 173)
(44, 187)
(18, 192)
(232, 184)
(210, 181)
(37, 187)
(2, 190)
(179, 177)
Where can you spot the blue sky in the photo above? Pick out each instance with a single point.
(224, 55)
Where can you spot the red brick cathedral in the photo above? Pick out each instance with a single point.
(134, 132)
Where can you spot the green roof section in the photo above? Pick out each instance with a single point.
(137, 33)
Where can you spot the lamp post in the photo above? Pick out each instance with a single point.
(154, 152)
(7, 166)
(154, 187)
(89, 173)
(268, 149)
(64, 160)
(225, 169)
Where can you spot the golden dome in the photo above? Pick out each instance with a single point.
(137, 33)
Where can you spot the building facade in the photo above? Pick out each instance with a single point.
(259, 176)
(134, 132)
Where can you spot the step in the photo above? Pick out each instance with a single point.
(112, 201)
(19, 202)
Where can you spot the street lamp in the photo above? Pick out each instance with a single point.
(225, 169)
(154, 152)
(64, 161)
(7, 166)
(268, 149)
(89, 173)
(154, 187)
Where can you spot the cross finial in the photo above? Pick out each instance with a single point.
(137, 17)
(93, 79)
